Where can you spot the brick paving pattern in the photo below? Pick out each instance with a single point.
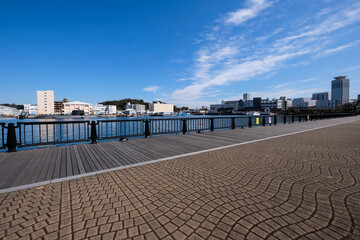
(303, 186)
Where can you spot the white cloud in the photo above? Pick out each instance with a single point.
(334, 22)
(242, 15)
(337, 49)
(227, 55)
(348, 69)
(151, 89)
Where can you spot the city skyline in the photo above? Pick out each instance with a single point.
(145, 51)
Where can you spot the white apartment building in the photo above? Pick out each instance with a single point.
(139, 108)
(45, 102)
(30, 109)
(69, 107)
(110, 109)
(161, 107)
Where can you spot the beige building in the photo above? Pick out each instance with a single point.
(69, 107)
(161, 107)
(45, 102)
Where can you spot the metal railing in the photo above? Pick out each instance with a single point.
(44, 133)
(25, 134)
(110, 129)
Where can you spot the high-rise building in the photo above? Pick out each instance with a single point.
(321, 96)
(45, 102)
(246, 96)
(340, 90)
(257, 102)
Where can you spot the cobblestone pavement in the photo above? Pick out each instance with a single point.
(303, 186)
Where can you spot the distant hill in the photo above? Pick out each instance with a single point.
(120, 104)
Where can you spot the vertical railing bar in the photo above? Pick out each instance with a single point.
(32, 134)
(60, 125)
(47, 132)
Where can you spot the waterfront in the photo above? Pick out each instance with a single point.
(51, 131)
(284, 182)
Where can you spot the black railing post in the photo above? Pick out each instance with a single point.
(2, 135)
(284, 118)
(11, 138)
(184, 130)
(275, 120)
(232, 123)
(212, 124)
(264, 121)
(250, 123)
(306, 118)
(299, 118)
(147, 128)
(93, 134)
(292, 118)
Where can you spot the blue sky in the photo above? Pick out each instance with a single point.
(187, 52)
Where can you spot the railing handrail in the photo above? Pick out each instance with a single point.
(41, 133)
(52, 122)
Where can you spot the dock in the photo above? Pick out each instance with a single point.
(276, 182)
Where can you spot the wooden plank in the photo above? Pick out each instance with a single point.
(88, 164)
(78, 160)
(50, 171)
(75, 166)
(57, 166)
(63, 162)
(93, 158)
(45, 162)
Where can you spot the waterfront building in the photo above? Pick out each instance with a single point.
(158, 107)
(321, 96)
(340, 90)
(69, 107)
(110, 109)
(8, 111)
(30, 109)
(287, 103)
(58, 105)
(272, 103)
(257, 102)
(45, 102)
(246, 97)
(98, 109)
(249, 104)
(139, 108)
(324, 104)
(303, 103)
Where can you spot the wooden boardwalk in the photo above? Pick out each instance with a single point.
(48, 164)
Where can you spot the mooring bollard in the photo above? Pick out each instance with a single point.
(184, 126)
(264, 121)
(250, 123)
(147, 128)
(11, 138)
(93, 135)
(232, 123)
